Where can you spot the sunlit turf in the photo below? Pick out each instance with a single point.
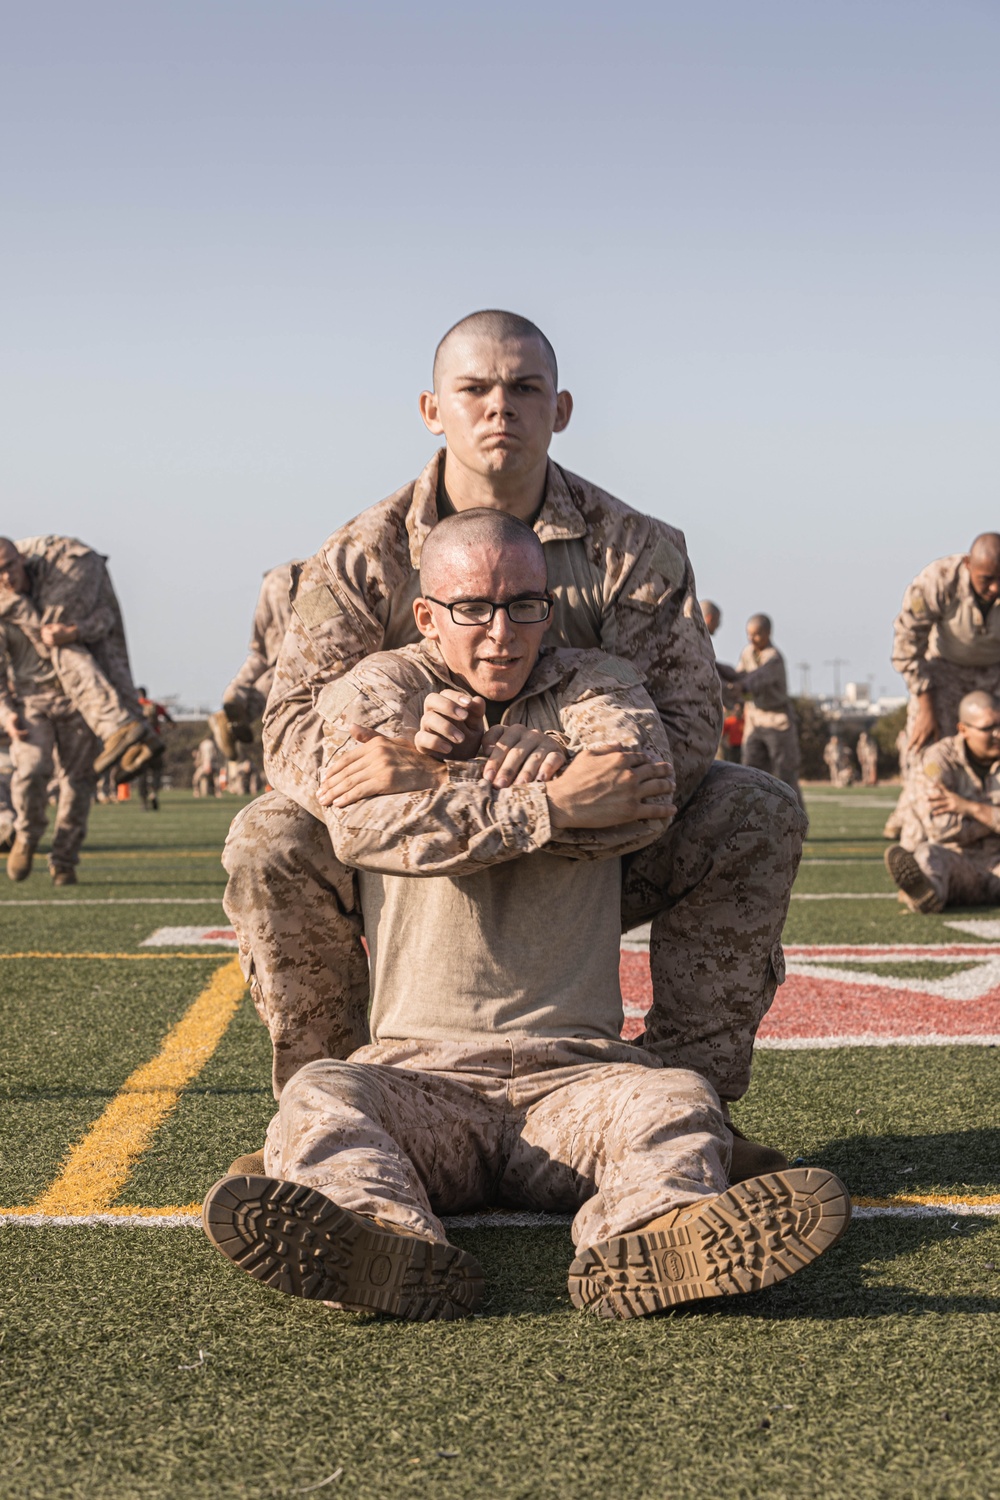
(137, 1362)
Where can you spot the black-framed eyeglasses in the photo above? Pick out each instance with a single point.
(531, 611)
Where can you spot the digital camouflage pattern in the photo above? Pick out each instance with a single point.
(622, 582)
(770, 732)
(959, 856)
(471, 952)
(30, 689)
(247, 693)
(68, 582)
(587, 699)
(946, 645)
(837, 757)
(941, 619)
(407, 1131)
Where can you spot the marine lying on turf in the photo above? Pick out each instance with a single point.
(716, 884)
(496, 1072)
(950, 849)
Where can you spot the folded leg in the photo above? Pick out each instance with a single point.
(387, 1142)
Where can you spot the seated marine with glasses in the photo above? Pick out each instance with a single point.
(949, 850)
(496, 1073)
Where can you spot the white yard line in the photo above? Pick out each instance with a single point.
(847, 896)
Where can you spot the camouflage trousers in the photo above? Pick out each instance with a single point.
(949, 685)
(963, 877)
(406, 1131)
(6, 800)
(97, 679)
(60, 743)
(716, 887)
(775, 751)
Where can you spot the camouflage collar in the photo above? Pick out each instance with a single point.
(549, 670)
(558, 520)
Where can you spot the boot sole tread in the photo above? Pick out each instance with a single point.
(755, 1234)
(298, 1241)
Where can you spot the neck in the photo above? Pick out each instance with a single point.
(518, 495)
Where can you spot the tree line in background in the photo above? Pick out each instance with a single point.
(815, 729)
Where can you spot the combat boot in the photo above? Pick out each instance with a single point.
(751, 1159)
(299, 1241)
(116, 744)
(915, 890)
(20, 857)
(138, 757)
(755, 1234)
(222, 733)
(251, 1165)
(63, 877)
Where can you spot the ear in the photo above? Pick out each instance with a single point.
(424, 616)
(564, 410)
(430, 412)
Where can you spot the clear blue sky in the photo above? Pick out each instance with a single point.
(763, 238)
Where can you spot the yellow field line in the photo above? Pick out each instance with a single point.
(99, 1165)
(930, 1200)
(140, 956)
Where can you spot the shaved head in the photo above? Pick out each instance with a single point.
(985, 550)
(504, 327)
(13, 574)
(711, 614)
(475, 531)
(759, 622)
(975, 707)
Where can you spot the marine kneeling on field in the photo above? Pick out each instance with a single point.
(949, 854)
(496, 1072)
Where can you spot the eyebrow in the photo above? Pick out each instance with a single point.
(482, 599)
(482, 377)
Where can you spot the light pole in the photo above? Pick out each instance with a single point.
(836, 663)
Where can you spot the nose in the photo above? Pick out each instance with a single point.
(501, 631)
(499, 403)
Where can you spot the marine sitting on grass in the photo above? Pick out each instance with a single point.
(497, 1074)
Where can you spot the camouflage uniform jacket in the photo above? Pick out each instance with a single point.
(942, 618)
(946, 764)
(763, 679)
(270, 621)
(45, 557)
(24, 675)
(494, 943)
(621, 581)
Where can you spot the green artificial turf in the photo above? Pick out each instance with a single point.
(138, 1362)
(141, 1363)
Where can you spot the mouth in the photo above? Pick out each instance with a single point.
(499, 663)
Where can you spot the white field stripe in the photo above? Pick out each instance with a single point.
(500, 1220)
(188, 937)
(848, 859)
(122, 901)
(873, 1039)
(846, 896)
